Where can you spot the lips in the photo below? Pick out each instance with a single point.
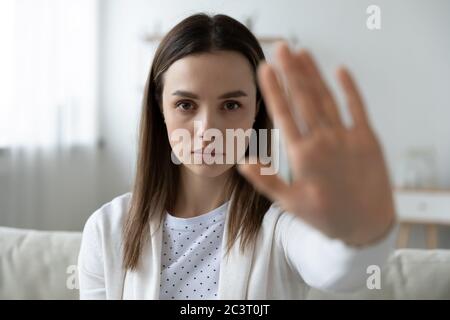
(213, 153)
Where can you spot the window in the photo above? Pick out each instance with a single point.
(48, 78)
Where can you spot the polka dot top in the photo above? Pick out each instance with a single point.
(190, 256)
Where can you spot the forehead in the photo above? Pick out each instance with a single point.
(215, 72)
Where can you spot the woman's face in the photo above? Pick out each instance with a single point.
(204, 92)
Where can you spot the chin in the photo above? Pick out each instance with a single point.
(208, 170)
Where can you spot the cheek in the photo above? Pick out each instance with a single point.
(180, 142)
(177, 132)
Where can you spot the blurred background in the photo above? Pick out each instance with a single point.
(72, 74)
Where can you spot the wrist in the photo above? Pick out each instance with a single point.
(370, 237)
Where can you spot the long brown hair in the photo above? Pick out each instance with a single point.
(157, 176)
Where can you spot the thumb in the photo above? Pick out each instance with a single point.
(272, 186)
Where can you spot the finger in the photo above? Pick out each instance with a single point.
(277, 104)
(299, 86)
(354, 99)
(271, 186)
(330, 107)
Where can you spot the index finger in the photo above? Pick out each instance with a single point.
(276, 102)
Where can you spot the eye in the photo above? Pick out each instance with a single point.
(184, 106)
(231, 105)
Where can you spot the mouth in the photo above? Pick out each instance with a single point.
(212, 153)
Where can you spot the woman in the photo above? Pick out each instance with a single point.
(223, 230)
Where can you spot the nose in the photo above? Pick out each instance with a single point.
(205, 121)
(203, 125)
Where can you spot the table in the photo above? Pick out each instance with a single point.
(429, 208)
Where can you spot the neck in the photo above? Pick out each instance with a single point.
(198, 195)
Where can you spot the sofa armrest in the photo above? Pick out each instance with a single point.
(38, 264)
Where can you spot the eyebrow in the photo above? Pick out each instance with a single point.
(231, 94)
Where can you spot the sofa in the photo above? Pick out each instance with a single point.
(42, 265)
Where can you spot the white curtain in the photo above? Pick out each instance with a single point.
(48, 112)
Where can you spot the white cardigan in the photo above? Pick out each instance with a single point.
(288, 259)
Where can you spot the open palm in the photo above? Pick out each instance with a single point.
(340, 181)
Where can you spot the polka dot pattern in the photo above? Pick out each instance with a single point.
(190, 256)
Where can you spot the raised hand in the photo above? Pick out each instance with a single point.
(340, 181)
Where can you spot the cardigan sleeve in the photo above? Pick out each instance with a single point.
(329, 264)
(91, 278)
